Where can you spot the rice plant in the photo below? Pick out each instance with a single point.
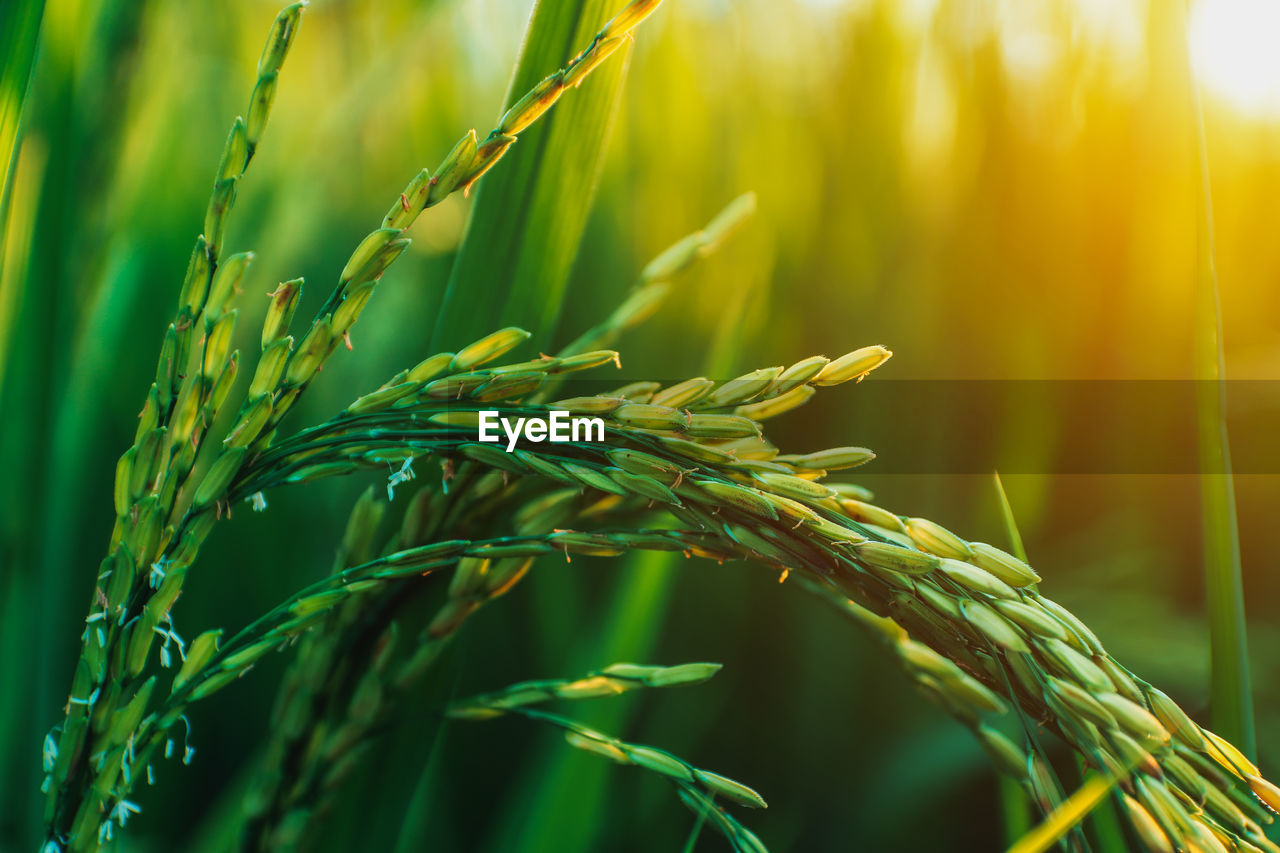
(684, 468)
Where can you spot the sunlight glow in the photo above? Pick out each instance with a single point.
(1233, 50)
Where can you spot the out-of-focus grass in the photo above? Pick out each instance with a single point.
(991, 195)
(19, 32)
(1230, 687)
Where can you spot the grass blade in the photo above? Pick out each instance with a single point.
(1231, 690)
(1016, 546)
(568, 804)
(524, 231)
(1014, 806)
(1065, 817)
(529, 216)
(19, 32)
(1015, 810)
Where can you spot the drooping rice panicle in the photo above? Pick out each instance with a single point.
(697, 788)
(211, 665)
(964, 619)
(654, 282)
(962, 616)
(613, 680)
(140, 578)
(162, 520)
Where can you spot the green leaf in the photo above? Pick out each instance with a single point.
(566, 802)
(529, 216)
(523, 235)
(1016, 547)
(1065, 817)
(19, 32)
(1231, 689)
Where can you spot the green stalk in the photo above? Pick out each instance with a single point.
(1015, 810)
(1231, 691)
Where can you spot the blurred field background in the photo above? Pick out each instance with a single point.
(994, 190)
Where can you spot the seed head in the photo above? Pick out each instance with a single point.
(791, 486)
(489, 347)
(1032, 619)
(226, 283)
(936, 539)
(587, 61)
(744, 388)
(630, 17)
(283, 31)
(730, 219)
(771, 407)
(1265, 791)
(284, 302)
(993, 626)
(455, 166)
(406, 208)
(721, 426)
(871, 514)
(895, 558)
(979, 580)
(684, 393)
(1173, 718)
(854, 365)
(735, 791)
(220, 474)
(264, 94)
(1003, 565)
(530, 108)
(834, 459)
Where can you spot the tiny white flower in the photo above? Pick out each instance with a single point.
(157, 575)
(404, 475)
(123, 810)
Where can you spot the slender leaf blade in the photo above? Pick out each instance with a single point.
(1231, 687)
(1065, 817)
(530, 213)
(19, 33)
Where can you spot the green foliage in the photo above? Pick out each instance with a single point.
(907, 195)
(1231, 687)
(19, 31)
(523, 235)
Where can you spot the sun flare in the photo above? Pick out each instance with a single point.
(1233, 50)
